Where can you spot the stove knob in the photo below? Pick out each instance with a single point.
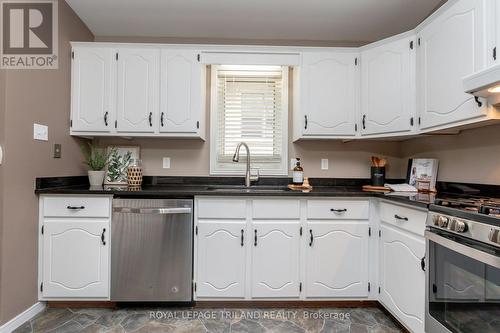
(494, 236)
(443, 221)
(435, 219)
(459, 226)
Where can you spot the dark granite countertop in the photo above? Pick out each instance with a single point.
(181, 187)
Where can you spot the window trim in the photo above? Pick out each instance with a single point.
(283, 170)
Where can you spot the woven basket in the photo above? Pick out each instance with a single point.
(134, 176)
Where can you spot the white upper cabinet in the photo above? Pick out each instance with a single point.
(326, 95)
(336, 259)
(221, 259)
(75, 259)
(452, 45)
(92, 89)
(388, 87)
(275, 264)
(181, 94)
(138, 88)
(496, 22)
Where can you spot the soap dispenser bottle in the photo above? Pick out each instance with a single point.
(298, 173)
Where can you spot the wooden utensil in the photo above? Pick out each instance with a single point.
(370, 188)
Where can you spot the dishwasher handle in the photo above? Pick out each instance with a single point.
(157, 211)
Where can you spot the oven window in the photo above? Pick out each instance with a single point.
(464, 294)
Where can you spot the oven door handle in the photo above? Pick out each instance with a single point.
(471, 252)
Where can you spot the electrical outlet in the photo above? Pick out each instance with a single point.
(57, 150)
(40, 132)
(324, 164)
(166, 163)
(293, 161)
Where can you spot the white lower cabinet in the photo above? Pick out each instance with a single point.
(402, 280)
(269, 254)
(76, 259)
(74, 247)
(221, 259)
(337, 259)
(275, 264)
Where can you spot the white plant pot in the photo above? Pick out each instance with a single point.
(96, 178)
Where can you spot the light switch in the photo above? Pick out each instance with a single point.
(40, 132)
(57, 150)
(324, 164)
(166, 163)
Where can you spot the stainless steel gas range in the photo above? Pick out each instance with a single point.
(463, 266)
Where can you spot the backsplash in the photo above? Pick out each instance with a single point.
(457, 154)
(192, 157)
(473, 156)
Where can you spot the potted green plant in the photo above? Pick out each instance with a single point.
(96, 160)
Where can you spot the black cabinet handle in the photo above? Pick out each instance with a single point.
(75, 207)
(106, 118)
(478, 101)
(311, 240)
(364, 121)
(305, 122)
(161, 118)
(102, 236)
(401, 217)
(343, 210)
(422, 263)
(242, 239)
(255, 238)
(151, 119)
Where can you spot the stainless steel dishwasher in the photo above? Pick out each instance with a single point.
(152, 250)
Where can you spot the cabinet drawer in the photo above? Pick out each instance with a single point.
(338, 209)
(222, 208)
(276, 209)
(408, 219)
(76, 206)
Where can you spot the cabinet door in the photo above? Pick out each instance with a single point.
(138, 87)
(92, 89)
(275, 259)
(402, 280)
(329, 94)
(336, 259)
(221, 259)
(75, 259)
(451, 47)
(388, 87)
(181, 91)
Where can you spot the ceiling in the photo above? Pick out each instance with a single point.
(284, 20)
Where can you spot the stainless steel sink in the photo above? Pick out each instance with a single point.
(239, 189)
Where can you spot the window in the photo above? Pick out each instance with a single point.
(249, 104)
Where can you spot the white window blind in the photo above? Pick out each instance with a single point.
(251, 106)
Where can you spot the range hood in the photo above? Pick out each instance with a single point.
(485, 83)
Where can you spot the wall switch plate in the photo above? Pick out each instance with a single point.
(57, 150)
(324, 164)
(40, 132)
(166, 163)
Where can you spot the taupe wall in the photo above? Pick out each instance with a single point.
(41, 96)
(470, 157)
(2, 130)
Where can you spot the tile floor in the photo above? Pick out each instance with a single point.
(71, 320)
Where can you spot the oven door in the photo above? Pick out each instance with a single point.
(462, 284)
